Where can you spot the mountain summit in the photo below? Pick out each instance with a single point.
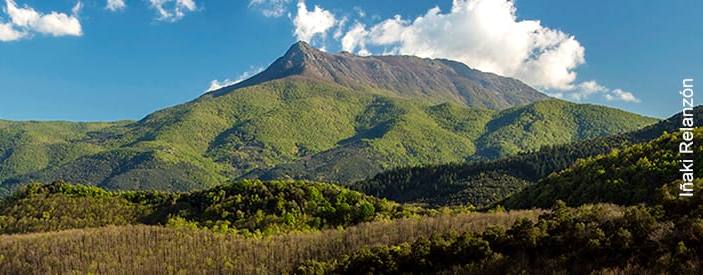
(436, 80)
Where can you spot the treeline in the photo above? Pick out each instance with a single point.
(438, 184)
(601, 239)
(249, 206)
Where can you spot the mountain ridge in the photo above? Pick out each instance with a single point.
(437, 80)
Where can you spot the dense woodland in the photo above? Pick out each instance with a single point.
(246, 207)
(641, 173)
(589, 239)
(485, 182)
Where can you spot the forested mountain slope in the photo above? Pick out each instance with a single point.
(640, 173)
(484, 182)
(519, 129)
(311, 115)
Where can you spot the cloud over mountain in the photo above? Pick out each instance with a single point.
(309, 24)
(484, 34)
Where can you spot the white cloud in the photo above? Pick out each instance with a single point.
(584, 90)
(270, 8)
(25, 20)
(353, 39)
(77, 8)
(216, 84)
(619, 94)
(116, 5)
(359, 11)
(172, 10)
(309, 24)
(487, 35)
(8, 33)
(341, 23)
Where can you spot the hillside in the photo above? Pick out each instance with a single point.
(294, 121)
(245, 207)
(419, 142)
(482, 183)
(26, 147)
(640, 173)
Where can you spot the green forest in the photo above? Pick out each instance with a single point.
(248, 207)
(484, 182)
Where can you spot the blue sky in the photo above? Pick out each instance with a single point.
(87, 61)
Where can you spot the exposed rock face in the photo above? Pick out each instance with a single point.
(437, 80)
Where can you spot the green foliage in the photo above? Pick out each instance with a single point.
(483, 182)
(31, 146)
(274, 206)
(59, 206)
(580, 240)
(552, 122)
(640, 173)
(248, 207)
(448, 133)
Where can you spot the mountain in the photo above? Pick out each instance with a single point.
(482, 183)
(433, 80)
(310, 115)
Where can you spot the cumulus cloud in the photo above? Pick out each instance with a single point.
(116, 5)
(619, 94)
(172, 10)
(217, 84)
(24, 21)
(353, 39)
(270, 8)
(585, 90)
(8, 33)
(309, 24)
(341, 23)
(486, 35)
